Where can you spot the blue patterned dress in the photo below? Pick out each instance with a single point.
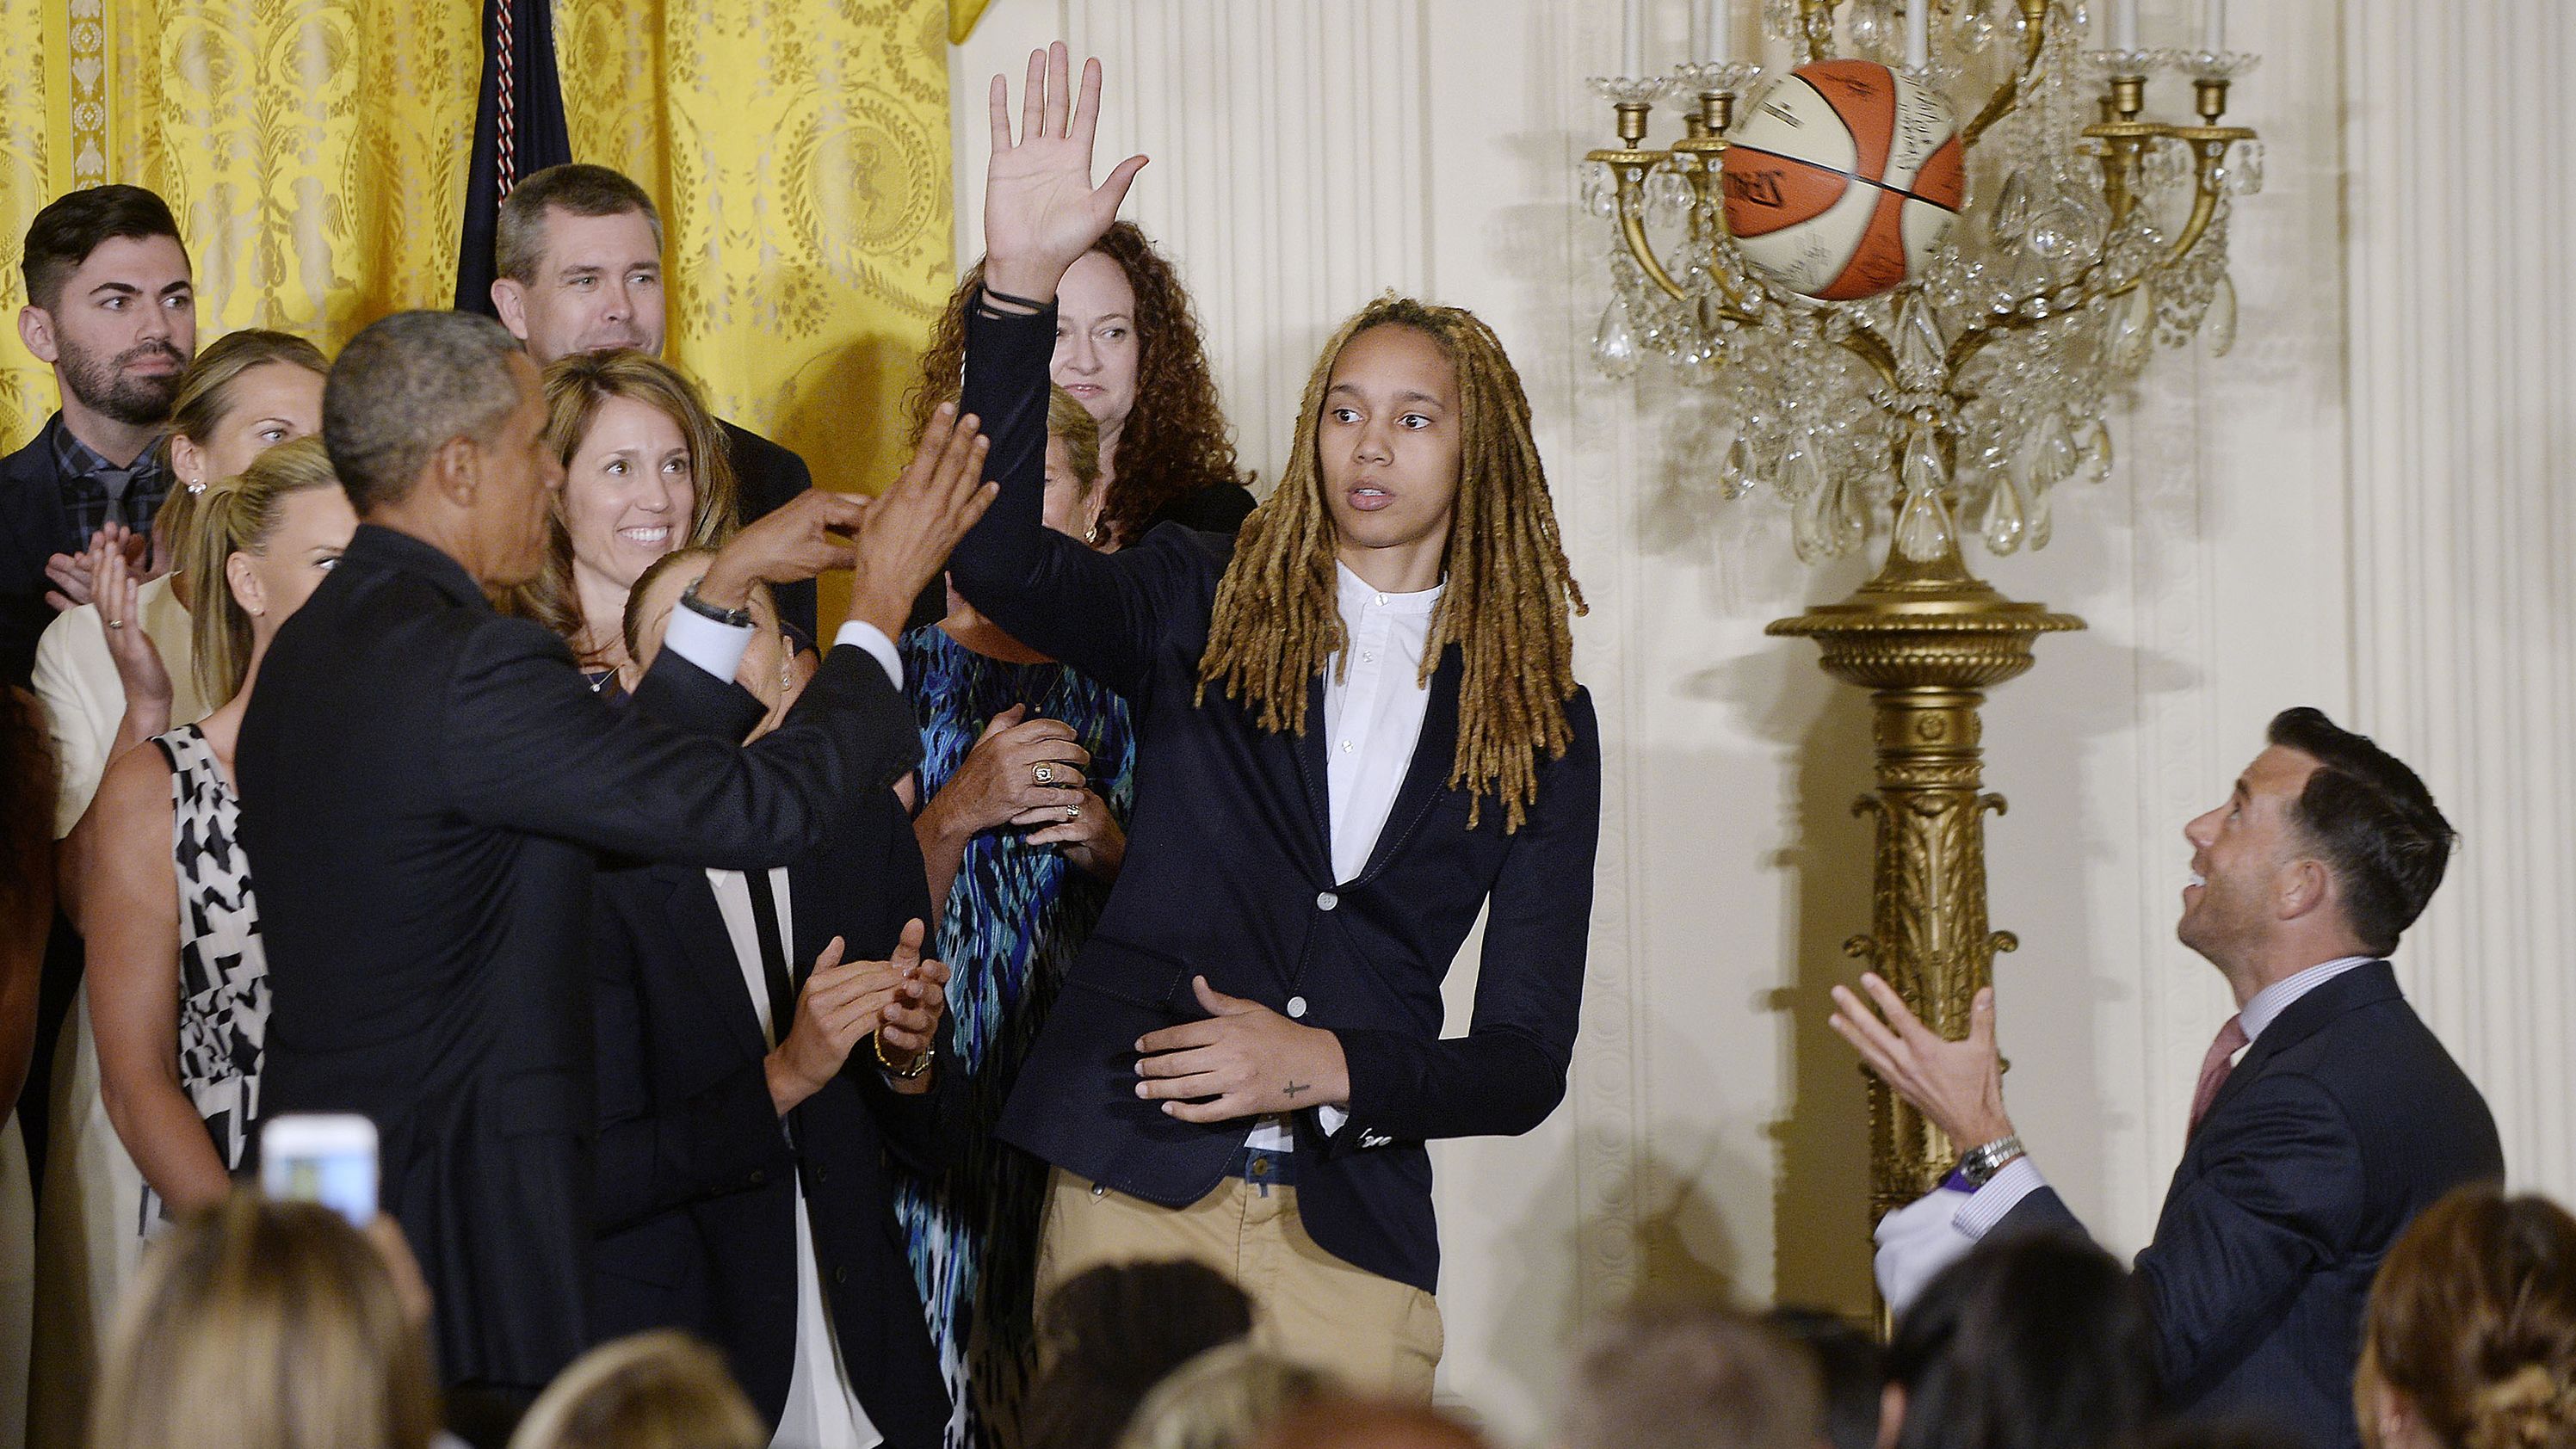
(1014, 920)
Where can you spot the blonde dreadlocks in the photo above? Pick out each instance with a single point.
(1277, 620)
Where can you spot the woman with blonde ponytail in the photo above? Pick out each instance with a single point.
(177, 977)
(2469, 1341)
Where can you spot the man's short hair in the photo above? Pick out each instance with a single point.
(2372, 821)
(519, 233)
(75, 224)
(1692, 1376)
(404, 388)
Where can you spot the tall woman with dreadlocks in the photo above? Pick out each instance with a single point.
(1352, 738)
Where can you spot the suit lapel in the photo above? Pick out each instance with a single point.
(1314, 776)
(1426, 777)
(706, 951)
(2361, 986)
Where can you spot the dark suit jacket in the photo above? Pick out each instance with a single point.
(425, 784)
(697, 1203)
(32, 521)
(2342, 1122)
(1229, 873)
(766, 478)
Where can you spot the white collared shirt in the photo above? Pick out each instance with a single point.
(1373, 713)
(718, 648)
(822, 1410)
(1912, 1251)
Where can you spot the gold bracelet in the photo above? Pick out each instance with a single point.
(920, 1064)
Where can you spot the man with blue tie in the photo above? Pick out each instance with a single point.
(2326, 1115)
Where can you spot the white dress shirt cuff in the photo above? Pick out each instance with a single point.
(1332, 1120)
(864, 635)
(2002, 1193)
(714, 647)
(1915, 1243)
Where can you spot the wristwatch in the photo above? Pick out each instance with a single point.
(920, 1064)
(1978, 1165)
(689, 600)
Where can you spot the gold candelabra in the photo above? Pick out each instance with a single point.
(1956, 400)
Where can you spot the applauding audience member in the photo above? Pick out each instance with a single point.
(644, 473)
(2470, 1337)
(246, 393)
(578, 252)
(112, 308)
(1127, 348)
(1226, 1398)
(1692, 1376)
(1026, 764)
(1106, 1336)
(660, 1390)
(747, 1103)
(2038, 1341)
(267, 1325)
(178, 974)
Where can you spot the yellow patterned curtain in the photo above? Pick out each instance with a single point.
(314, 151)
(799, 152)
(31, 92)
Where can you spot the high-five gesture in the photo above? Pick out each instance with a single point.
(1041, 211)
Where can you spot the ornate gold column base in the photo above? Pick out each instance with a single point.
(1927, 640)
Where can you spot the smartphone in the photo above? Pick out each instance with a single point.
(329, 1158)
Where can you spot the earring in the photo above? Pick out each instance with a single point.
(1092, 535)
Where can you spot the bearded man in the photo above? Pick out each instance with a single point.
(112, 307)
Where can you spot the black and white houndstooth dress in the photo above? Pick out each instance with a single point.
(223, 970)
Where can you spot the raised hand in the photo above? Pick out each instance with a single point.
(1244, 1060)
(1958, 1086)
(904, 539)
(1041, 211)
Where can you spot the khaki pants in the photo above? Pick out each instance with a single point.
(1377, 1335)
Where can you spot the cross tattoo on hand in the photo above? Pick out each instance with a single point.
(1293, 1088)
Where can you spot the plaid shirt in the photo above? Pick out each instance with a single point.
(77, 467)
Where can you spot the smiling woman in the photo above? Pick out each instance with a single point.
(645, 472)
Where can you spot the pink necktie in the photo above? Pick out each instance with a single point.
(2215, 1067)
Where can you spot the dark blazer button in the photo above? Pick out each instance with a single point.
(840, 1276)
(759, 1175)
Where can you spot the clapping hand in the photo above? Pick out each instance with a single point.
(901, 999)
(904, 541)
(75, 575)
(119, 589)
(1041, 211)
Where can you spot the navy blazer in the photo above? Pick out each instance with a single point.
(32, 521)
(1229, 874)
(426, 787)
(2344, 1120)
(696, 1192)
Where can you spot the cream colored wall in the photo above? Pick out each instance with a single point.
(2363, 507)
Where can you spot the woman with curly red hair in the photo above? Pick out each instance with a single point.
(1126, 330)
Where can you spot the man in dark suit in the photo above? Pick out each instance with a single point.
(1247, 1059)
(112, 307)
(426, 784)
(742, 1184)
(2308, 1153)
(578, 263)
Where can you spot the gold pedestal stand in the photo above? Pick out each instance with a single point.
(1927, 641)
